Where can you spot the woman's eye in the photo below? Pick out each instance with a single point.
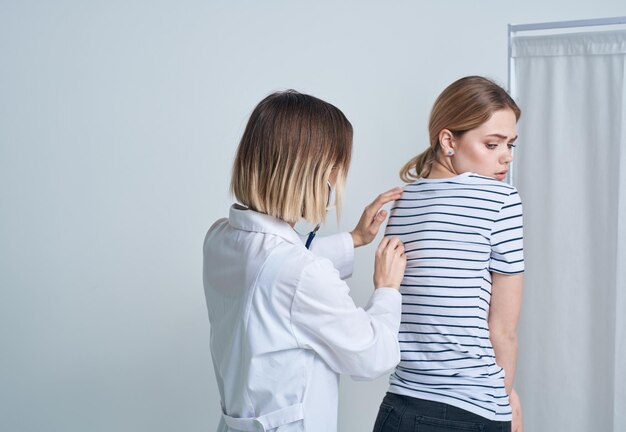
(511, 146)
(491, 146)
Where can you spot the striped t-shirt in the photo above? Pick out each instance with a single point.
(456, 231)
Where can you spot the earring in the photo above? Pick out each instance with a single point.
(450, 153)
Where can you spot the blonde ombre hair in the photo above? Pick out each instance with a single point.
(464, 105)
(290, 147)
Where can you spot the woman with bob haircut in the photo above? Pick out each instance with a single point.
(283, 326)
(462, 289)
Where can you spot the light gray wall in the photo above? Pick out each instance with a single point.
(118, 124)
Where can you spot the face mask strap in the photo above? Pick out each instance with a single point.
(331, 194)
(312, 234)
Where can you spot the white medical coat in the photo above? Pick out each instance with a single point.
(283, 326)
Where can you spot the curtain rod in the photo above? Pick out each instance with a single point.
(567, 24)
(513, 28)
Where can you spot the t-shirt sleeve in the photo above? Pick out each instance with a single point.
(507, 237)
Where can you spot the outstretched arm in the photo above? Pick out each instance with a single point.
(352, 340)
(504, 311)
(339, 248)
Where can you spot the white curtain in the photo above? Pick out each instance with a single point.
(570, 168)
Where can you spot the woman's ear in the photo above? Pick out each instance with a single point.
(446, 142)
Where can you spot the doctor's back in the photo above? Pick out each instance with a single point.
(283, 325)
(249, 299)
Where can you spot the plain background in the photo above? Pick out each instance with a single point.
(118, 125)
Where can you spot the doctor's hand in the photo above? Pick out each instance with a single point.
(389, 263)
(373, 217)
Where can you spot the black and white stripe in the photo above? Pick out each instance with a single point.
(456, 232)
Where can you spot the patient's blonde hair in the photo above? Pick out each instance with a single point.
(290, 146)
(464, 105)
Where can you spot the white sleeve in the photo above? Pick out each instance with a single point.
(339, 249)
(351, 340)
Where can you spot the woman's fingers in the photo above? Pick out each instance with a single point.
(395, 246)
(376, 222)
(382, 199)
(373, 216)
(390, 263)
(382, 245)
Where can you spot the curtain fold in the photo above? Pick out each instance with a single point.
(620, 303)
(570, 169)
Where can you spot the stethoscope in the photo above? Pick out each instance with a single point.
(311, 235)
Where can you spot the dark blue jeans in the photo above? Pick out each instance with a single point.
(406, 414)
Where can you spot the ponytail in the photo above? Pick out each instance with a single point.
(419, 166)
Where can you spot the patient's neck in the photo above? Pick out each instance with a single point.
(442, 169)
